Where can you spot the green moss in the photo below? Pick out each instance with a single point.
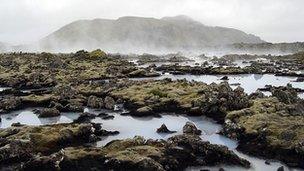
(97, 54)
(274, 118)
(47, 138)
(184, 93)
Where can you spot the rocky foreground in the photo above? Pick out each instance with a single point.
(270, 127)
(61, 147)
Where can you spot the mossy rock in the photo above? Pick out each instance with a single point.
(96, 54)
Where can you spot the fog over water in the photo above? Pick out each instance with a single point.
(27, 21)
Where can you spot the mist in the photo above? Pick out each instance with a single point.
(27, 21)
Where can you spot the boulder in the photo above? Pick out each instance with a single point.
(190, 128)
(163, 129)
(48, 112)
(84, 118)
(280, 168)
(300, 79)
(143, 111)
(74, 106)
(224, 78)
(109, 103)
(108, 117)
(285, 94)
(10, 103)
(95, 102)
(56, 105)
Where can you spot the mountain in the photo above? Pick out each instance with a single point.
(133, 34)
(280, 48)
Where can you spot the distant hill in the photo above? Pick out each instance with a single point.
(268, 47)
(133, 34)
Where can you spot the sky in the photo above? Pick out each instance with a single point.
(26, 21)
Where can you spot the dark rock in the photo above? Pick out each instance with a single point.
(224, 78)
(84, 118)
(17, 124)
(178, 153)
(15, 150)
(95, 102)
(143, 111)
(255, 95)
(195, 111)
(190, 128)
(10, 103)
(221, 169)
(103, 132)
(108, 117)
(163, 129)
(280, 168)
(48, 112)
(46, 163)
(267, 162)
(102, 114)
(285, 94)
(56, 105)
(109, 102)
(96, 126)
(74, 106)
(300, 79)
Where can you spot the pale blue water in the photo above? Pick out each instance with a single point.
(250, 82)
(29, 118)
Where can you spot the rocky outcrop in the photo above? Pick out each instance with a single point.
(109, 102)
(177, 153)
(9, 103)
(48, 112)
(84, 118)
(95, 102)
(269, 128)
(143, 111)
(190, 128)
(163, 129)
(142, 73)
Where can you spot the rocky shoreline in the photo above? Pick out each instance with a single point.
(270, 127)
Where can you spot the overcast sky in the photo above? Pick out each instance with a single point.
(24, 21)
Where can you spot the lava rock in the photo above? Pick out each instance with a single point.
(163, 129)
(190, 128)
(95, 102)
(109, 102)
(17, 124)
(224, 78)
(280, 168)
(143, 111)
(48, 112)
(103, 132)
(108, 117)
(84, 118)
